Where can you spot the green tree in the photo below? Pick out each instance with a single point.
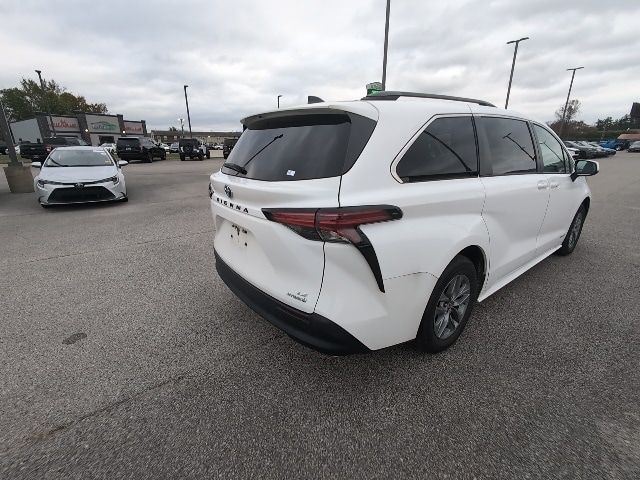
(30, 98)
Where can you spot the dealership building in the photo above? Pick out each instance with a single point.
(170, 136)
(95, 129)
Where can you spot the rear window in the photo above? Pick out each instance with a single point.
(128, 140)
(300, 147)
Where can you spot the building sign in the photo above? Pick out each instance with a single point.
(133, 127)
(102, 123)
(64, 124)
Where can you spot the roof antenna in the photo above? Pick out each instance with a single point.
(314, 99)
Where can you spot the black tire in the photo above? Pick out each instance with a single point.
(573, 234)
(427, 338)
(125, 199)
(208, 154)
(164, 156)
(201, 157)
(225, 156)
(149, 158)
(181, 157)
(44, 206)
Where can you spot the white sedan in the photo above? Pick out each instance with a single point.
(79, 175)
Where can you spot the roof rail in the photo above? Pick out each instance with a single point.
(391, 95)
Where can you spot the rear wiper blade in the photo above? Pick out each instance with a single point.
(235, 167)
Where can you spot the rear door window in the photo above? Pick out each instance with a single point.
(300, 147)
(506, 146)
(445, 149)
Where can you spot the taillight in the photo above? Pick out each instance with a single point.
(338, 225)
(48, 148)
(300, 220)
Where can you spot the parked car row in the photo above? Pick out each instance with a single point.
(589, 149)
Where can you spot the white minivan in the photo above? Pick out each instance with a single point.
(357, 225)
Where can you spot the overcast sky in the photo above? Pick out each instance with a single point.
(237, 56)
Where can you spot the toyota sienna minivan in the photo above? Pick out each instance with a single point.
(357, 225)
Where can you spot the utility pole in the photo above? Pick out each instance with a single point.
(513, 64)
(188, 115)
(46, 104)
(566, 104)
(279, 100)
(386, 47)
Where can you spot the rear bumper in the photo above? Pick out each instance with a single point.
(309, 329)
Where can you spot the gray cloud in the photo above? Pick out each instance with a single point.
(237, 56)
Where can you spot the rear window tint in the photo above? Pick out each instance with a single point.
(300, 147)
(129, 140)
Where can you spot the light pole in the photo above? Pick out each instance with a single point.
(513, 64)
(386, 46)
(279, 100)
(188, 115)
(566, 104)
(46, 103)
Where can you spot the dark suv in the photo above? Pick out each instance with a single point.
(139, 148)
(193, 148)
(228, 145)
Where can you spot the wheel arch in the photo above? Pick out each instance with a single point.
(478, 257)
(586, 203)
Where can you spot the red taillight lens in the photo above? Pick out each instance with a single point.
(341, 224)
(300, 220)
(338, 225)
(333, 224)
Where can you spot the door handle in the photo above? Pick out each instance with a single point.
(542, 185)
(553, 184)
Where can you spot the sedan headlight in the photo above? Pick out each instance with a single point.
(113, 180)
(42, 183)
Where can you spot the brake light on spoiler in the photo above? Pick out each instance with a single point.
(338, 225)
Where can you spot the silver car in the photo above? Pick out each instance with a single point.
(79, 175)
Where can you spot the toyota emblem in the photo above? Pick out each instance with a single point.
(227, 190)
(79, 185)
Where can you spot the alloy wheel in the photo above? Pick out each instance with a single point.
(452, 305)
(575, 229)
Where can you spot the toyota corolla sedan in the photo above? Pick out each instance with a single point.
(79, 175)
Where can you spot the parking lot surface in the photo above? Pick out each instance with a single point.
(124, 355)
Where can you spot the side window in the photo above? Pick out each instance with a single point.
(553, 157)
(446, 149)
(508, 146)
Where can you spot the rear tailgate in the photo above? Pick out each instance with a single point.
(284, 160)
(272, 257)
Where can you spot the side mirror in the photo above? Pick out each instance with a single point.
(122, 163)
(585, 168)
(36, 164)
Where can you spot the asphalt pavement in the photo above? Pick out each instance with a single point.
(123, 355)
